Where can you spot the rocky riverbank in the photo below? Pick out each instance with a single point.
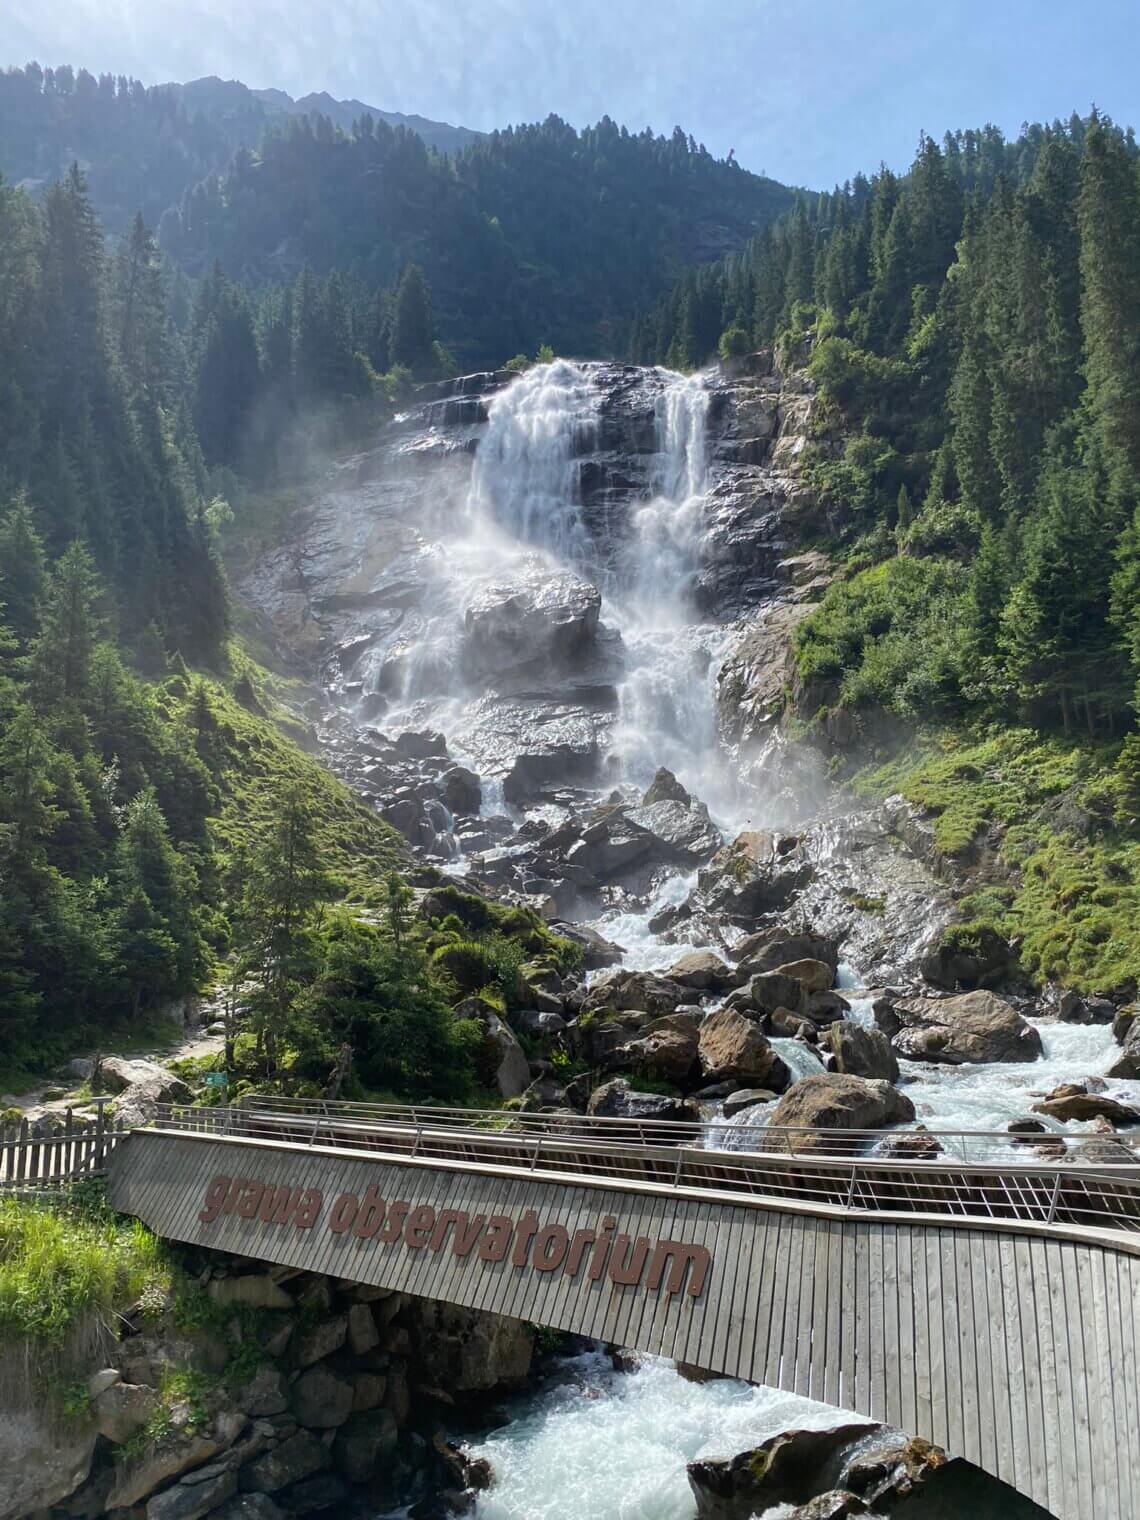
(257, 1396)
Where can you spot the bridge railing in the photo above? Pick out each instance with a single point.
(807, 1167)
(1049, 1143)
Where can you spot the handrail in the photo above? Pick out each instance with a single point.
(965, 1144)
(1040, 1191)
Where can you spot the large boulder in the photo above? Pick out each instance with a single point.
(181, 1453)
(813, 975)
(701, 971)
(733, 1048)
(972, 1027)
(505, 1057)
(298, 1456)
(41, 1462)
(665, 1051)
(665, 788)
(1127, 1063)
(757, 873)
(540, 617)
(117, 1074)
(776, 946)
(141, 1086)
(681, 832)
(638, 991)
(788, 1468)
(957, 958)
(769, 990)
(320, 1398)
(363, 1443)
(193, 1497)
(616, 1099)
(1073, 1100)
(837, 1101)
(859, 1052)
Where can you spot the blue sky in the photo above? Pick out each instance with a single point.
(809, 93)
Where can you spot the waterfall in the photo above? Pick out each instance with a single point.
(525, 475)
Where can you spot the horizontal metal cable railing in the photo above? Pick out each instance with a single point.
(836, 1168)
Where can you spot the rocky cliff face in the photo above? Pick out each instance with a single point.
(535, 592)
(281, 1393)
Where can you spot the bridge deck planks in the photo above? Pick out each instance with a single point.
(1018, 1352)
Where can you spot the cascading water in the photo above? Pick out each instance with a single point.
(553, 515)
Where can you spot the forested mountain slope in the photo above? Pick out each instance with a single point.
(535, 234)
(143, 146)
(973, 331)
(141, 779)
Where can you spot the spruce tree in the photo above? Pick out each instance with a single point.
(412, 327)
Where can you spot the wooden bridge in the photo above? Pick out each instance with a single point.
(984, 1297)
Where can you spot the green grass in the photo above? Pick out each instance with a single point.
(1060, 813)
(60, 1265)
(260, 763)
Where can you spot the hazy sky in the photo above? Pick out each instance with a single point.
(806, 92)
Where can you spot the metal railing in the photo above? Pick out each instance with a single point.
(835, 1168)
(74, 1148)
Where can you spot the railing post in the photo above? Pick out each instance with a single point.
(534, 1153)
(677, 1168)
(1053, 1201)
(416, 1141)
(851, 1189)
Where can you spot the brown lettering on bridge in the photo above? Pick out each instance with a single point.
(672, 1265)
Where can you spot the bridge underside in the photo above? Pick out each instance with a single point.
(1012, 1350)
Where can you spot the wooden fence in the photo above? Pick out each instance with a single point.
(80, 1148)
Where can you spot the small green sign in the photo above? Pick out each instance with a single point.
(216, 1079)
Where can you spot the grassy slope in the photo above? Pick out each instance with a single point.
(1071, 899)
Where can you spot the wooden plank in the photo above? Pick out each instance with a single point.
(861, 1306)
(936, 1340)
(1122, 1321)
(782, 1269)
(1064, 1454)
(977, 1400)
(877, 1320)
(951, 1344)
(1079, 1332)
(742, 1326)
(904, 1287)
(1102, 1364)
(1051, 1429)
(805, 1307)
(987, 1277)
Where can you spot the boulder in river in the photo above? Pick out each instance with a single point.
(616, 1099)
(733, 1047)
(859, 1052)
(974, 1026)
(789, 1468)
(701, 970)
(1074, 1100)
(777, 946)
(837, 1101)
(1127, 1064)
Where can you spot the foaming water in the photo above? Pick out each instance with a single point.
(614, 1446)
(987, 1096)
